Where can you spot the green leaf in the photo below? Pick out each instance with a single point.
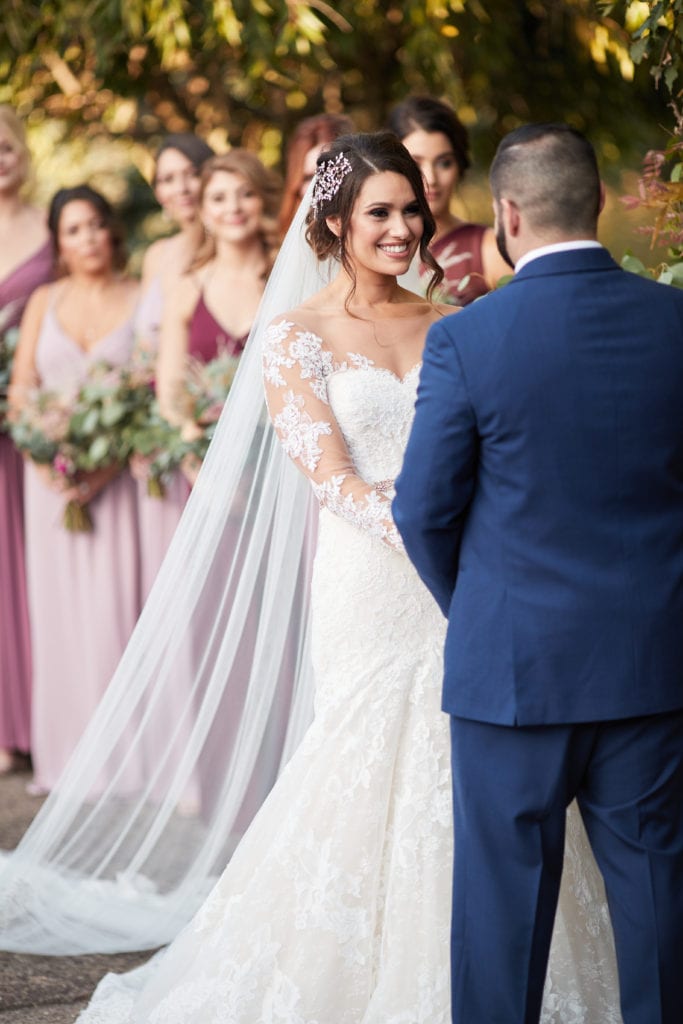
(112, 413)
(670, 76)
(634, 265)
(676, 272)
(98, 450)
(90, 421)
(639, 49)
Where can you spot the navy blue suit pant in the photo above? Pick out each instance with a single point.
(511, 788)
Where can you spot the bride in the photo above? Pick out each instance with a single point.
(334, 909)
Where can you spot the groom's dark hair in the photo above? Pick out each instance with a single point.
(550, 171)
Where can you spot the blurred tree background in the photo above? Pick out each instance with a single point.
(99, 82)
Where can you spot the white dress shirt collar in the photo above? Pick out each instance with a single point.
(546, 250)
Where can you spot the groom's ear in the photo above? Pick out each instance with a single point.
(602, 197)
(334, 224)
(510, 216)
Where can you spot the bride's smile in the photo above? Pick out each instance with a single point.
(386, 225)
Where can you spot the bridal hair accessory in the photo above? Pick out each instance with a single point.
(328, 179)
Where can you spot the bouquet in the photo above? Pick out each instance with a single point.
(165, 447)
(81, 431)
(158, 444)
(208, 385)
(150, 437)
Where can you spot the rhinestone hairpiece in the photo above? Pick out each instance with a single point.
(328, 179)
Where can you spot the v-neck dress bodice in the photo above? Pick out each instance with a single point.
(62, 363)
(207, 337)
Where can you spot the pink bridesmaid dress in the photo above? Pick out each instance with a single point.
(83, 587)
(158, 517)
(15, 645)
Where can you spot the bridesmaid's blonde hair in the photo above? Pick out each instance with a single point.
(11, 126)
(264, 181)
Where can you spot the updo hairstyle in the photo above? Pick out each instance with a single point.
(368, 154)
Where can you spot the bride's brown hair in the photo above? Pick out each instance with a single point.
(367, 153)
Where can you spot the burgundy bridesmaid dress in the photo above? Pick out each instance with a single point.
(159, 517)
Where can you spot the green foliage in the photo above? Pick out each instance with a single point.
(657, 34)
(247, 70)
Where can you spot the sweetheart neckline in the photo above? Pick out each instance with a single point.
(379, 369)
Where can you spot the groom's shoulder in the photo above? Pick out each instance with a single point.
(482, 311)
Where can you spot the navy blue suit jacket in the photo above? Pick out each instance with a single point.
(541, 496)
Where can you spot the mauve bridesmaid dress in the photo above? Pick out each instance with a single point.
(83, 587)
(15, 645)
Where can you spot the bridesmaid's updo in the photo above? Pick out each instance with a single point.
(345, 165)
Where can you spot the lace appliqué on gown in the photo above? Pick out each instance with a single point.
(296, 363)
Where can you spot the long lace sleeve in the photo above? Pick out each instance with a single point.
(296, 367)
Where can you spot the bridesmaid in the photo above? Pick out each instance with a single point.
(213, 305)
(25, 263)
(83, 587)
(176, 185)
(437, 141)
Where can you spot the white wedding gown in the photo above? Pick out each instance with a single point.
(335, 908)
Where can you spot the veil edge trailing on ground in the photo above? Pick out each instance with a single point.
(211, 696)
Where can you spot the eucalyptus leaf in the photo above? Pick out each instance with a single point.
(634, 265)
(112, 413)
(99, 449)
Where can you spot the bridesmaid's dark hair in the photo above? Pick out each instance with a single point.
(102, 206)
(427, 114)
(368, 154)
(191, 146)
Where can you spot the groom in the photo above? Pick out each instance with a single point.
(541, 501)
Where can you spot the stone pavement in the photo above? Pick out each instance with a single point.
(44, 989)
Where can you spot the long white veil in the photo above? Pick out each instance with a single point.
(212, 694)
